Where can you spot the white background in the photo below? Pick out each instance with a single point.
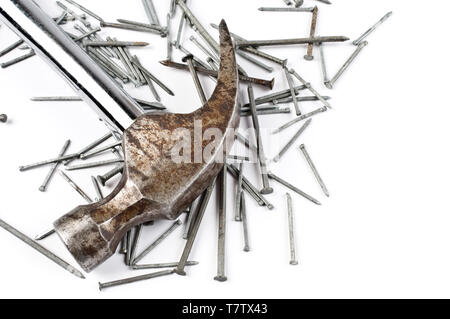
(382, 152)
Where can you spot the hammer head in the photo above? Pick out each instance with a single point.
(170, 159)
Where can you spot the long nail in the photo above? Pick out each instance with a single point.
(198, 86)
(323, 64)
(261, 43)
(293, 188)
(245, 223)
(358, 50)
(310, 88)
(314, 169)
(86, 155)
(52, 171)
(45, 234)
(191, 217)
(162, 265)
(129, 27)
(17, 60)
(115, 43)
(291, 87)
(261, 155)
(92, 145)
(75, 186)
(40, 249)
(11, 47)
(137, 235)
(291, 230)
(84, 9)
(312, 33)
(194, 230)
(368, 32)
(292, 141)
(97, 188)
(273, 9)
(268, 112)
(222, 227)
(92, 165)
(145, 252)
(300, 118)
(237, 207)
(154, 78)
(145, 25)
(56, 99)
(50, 161)
(128, 244)
(134, 279)
(151, 12)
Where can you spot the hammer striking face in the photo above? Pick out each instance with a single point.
(154, 185)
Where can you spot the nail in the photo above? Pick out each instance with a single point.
(97, 188)
(52, 171)
(198, 86)
(291, 87)
(92, 145)
(203, 49)
(260, 43)
(323, 64)
(115, 43)
(237, 207)
(314, 169)
(89, 12)
(162, 265)
(169, 38)
(244, 223)
(180, 27)
(51, 161)
(299, 119)
(276, 96)
(173, 7)
(154, 79)
(56, 99)
(73, 14)
(127, 63)
(123, 244)
(95, 164)
(104, 178)
(187, 52)
(312, 33)
(293, 188)
(45, 234)
(310, 88)
(87, 34)
(145, 252)
(40, 249)
(300, 99)
(292, 141)
(222, 227)
(11, 47)
(137, 235)
(254, 61)
(261, 156)
(134, 279)
(87, 155)
(246, 142)
(17, 60)
(368, 32)
(272, 9)
(180, 66)
(200, 29)
(151, 12)
(268, 112)
(109, 63)
(3, 118)
(75, 187)
(194, 230)
(291, 230)
(191, 217)
(145, 25)
(128, 244)
(152, 105)
(129, 27)
(358, 50)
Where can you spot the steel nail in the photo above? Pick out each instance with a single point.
(86, 155)
(97, 188)
(162, 265)
(323, 64)
(293, 188)
(299, 119)
(358, 50)
(291, 230)
(134, 279)
(104, 178)
(94, 164)
(129, 27)
(18, 59)
(51, 161)
(151, 105)
(40, 249)
(75, 187)
(268, 112)
(260, 43)
(137, 235)
(11, 47)
(151, 11)
(56, 99)
(296, 9)
(292, 141)
(191, 217)
(45, 234)
(245, 223)
(194, 230)
(154, 79)
(92, 145)
(314, 169)
(115, 44)
(155, 27)
(189, 60)
(222, 227)
(52, 171)
(261, 155)
(237, 207)
(145, 252)
(368, 32)
(169, 38)
(291, 87)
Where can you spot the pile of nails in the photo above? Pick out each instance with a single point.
(115, 58)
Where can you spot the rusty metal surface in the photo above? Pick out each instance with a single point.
(153, 186)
